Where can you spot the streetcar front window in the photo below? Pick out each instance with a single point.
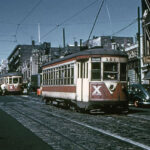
(15, 80)
(96, 70)
(123, 72)
(20, 80)
(110, 71)
(10, 80)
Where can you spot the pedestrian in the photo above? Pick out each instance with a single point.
(3, 88)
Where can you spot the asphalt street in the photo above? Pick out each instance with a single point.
(14, 136)
(26, 123)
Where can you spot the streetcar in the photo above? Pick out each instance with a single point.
(87, 80)
(11, 83)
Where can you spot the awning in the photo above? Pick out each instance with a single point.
(147, 76)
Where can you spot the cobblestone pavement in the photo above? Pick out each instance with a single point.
(67, 130)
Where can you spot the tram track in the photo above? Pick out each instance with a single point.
(82, 124)
(101, 130)
(139, 117)
(113, 119)
(51, 132)
(120, 122)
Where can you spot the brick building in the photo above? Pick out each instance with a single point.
(146, 36)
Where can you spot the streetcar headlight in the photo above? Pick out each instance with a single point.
(147, 97)
(111, 87)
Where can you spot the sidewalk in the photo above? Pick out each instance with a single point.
(14, 136)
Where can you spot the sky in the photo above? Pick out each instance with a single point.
(21, 21)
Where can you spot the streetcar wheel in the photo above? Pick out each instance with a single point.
(4, 92)
(47, 102)
(72, 108)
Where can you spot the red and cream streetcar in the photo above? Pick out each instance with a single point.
(11, 83)
(89, 79)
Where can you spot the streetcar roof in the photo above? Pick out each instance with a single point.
(11, 74)
(89, 52)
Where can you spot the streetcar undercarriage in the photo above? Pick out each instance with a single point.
(107, 106)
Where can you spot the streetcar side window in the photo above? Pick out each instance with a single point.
(78, 70)
(72, 73)
(62, 75)
(122, 71)
(110, 71)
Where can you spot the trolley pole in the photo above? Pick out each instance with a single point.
(139, 47)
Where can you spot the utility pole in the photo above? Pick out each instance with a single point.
(39, 36)
(139, 47)
(64, 44)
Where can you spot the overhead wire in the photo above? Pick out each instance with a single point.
(7, 41)
(26, 16)
(10, 35)
(124, 28)
(109, 17)
(68, 19)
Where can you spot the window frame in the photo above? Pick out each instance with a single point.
(98, 70)
(110, 74)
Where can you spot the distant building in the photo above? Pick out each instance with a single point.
(19, 59)
(19, 55)
(146, 37)
(28, 59)
(4, 67)
(109, 42)
(39, 56)
(133, 64)
(146, 29)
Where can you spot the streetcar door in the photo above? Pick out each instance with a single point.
(82, 80)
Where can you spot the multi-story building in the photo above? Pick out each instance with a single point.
(4, 67)
(146, 36)
(133, 63)
(19, 55)
(19, 59)
(28, 59)
(109, 42)
(146, 29)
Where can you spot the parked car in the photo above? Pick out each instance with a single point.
(139, 95)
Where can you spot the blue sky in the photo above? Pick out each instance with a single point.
(115, 15)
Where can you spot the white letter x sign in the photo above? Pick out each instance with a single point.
(96, 90)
